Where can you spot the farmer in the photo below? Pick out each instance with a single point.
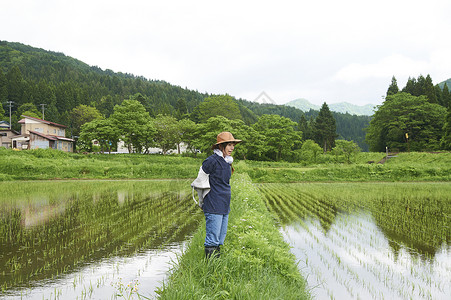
(216, 204)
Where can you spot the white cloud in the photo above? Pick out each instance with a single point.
(319, 50)
(394, 65)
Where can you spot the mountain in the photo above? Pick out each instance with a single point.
(448, 84)
(59, 83)
(342, 107)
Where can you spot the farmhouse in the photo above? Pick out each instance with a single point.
(37, 133)
(6, 134)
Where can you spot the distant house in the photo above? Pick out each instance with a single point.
(37, 133)
(6, 134)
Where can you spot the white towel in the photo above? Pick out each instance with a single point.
(202, 186)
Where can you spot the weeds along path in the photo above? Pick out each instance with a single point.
(255, 261)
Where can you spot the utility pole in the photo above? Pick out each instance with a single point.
(10, 104)
(42, 106)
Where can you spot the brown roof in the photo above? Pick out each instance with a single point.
(40, 120)
(51, 137)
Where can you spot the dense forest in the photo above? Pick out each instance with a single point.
(41, 82)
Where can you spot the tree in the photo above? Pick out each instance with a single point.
(310, 151)
(102, 130)
(445, 142)
(278, 134)
(186, 129)
(44, 94)
(131, 119)
(81, 115)
(346, 148)
(446, 96)
(205, 133)
(181, 108)
(393, 88)
(403, 113)
(3, 88)
(411, 87)
(147, 138)
(2, 112)
(167, 132)
(421, 86)
(306, 128)
(213, 106)
(28, 109)
(325, 128)
(16, 86)
(204, 136)
(429, 90)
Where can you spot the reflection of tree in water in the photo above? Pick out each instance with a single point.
(326, 223)
(417, 223)
(91, 228)
(291, 206)
(421, 229)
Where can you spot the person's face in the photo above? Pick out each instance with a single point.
(228, 149)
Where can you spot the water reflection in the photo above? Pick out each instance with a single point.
(354, 261)
(67, 228)
(368, 242)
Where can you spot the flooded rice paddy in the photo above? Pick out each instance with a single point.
(368, 241)
(91, 239)
(115, 239)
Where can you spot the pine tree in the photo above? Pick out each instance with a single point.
(393, 88)
(429, 90)
(445, 142)
(15, 86)
(305, 127)
(446, 97)
(325, 128)
(3, 87)
(411, 86)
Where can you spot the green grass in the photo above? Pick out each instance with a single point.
(255, 261)
(404, 167)
(52, 164)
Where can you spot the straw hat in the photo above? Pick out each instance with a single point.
(225, 137)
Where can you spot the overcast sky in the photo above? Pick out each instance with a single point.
(324, 51)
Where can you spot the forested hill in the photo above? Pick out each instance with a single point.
(60, 83)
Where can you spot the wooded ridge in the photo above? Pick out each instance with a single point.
(60, 83)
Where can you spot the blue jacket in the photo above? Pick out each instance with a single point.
(217, 201)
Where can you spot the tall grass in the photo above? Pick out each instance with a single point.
(255, 262)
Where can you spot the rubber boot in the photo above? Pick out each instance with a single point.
(218, 251)
(211, 252)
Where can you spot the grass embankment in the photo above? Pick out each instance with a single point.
(53, 164)
(255, 261)
(404, 167)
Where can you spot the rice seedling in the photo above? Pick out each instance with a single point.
(364, 240)
(65, 226)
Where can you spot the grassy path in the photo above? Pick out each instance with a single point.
(255, 261)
